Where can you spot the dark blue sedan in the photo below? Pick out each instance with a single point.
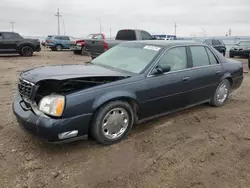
(128, 84)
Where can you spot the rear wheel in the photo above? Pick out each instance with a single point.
(26, 51)
(221, 94)
(112, 122)
(58, 47)
(231, 56)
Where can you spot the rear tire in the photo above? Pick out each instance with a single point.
(231, 56)
(59, 47)
(112, 122)
(26, 51)
(221, 94)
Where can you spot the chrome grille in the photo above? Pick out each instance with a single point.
(25, 88)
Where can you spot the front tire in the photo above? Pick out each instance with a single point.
(112, 122)
(26, 51)
(221, 94)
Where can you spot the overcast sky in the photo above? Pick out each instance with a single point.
(36, 17)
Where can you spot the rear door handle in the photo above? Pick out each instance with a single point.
(218, 72)
(185, 79)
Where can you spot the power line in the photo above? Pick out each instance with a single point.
(58, 15)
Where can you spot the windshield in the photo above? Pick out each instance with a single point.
(244, 43)
(131, 57)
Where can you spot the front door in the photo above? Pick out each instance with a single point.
(169, 91)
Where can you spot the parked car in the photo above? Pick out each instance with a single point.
(131, 83)
(58, 42)
(241, 49)
(78, 46)
(217, 44)
(12, 43)
(96, 47)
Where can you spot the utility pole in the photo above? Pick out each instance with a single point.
(12, 24)
(58, 15)
(175, 29)
(63, 27)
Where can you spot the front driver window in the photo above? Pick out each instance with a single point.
(176, 58)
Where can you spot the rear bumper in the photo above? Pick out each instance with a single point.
(243, 53)
(94, 54)
(76, 48)
(46, 128)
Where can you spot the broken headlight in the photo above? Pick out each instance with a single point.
(52, 105)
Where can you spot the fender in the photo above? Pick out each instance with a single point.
(110, 96)
(26, 44)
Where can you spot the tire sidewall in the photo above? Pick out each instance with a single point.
(214, 100)
(59, 48)
(98, 119)
(22, 51)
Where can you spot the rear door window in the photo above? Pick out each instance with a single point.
(199, 55)
(212, 58)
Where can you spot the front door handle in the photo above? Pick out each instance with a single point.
(218, 72)
(185, 79)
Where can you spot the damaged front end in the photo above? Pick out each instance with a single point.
(32, 94)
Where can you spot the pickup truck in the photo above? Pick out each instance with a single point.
(96, 47)
(78, 46)
(12, 43)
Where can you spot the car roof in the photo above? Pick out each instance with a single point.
(8, 32)
(165, 43)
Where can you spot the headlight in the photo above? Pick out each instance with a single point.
(52, 105)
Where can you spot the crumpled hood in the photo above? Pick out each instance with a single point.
(61, 72)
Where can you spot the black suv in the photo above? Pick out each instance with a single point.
(217, 44)
(11, 43)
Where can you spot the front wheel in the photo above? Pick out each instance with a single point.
(26, 51)
(221, 94)
(112, 122)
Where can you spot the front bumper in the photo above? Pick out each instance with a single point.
(242, 53)
(46, 128)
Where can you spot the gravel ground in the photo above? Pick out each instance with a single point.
(200, 147)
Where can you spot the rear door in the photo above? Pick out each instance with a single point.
(65, 40)
(206, 73)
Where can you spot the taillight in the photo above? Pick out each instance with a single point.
(50, 41)
(105, 45)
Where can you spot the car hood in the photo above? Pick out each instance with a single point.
(62, 72)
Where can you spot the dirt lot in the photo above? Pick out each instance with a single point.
(196, 148)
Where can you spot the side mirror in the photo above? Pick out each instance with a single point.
(161, 69)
